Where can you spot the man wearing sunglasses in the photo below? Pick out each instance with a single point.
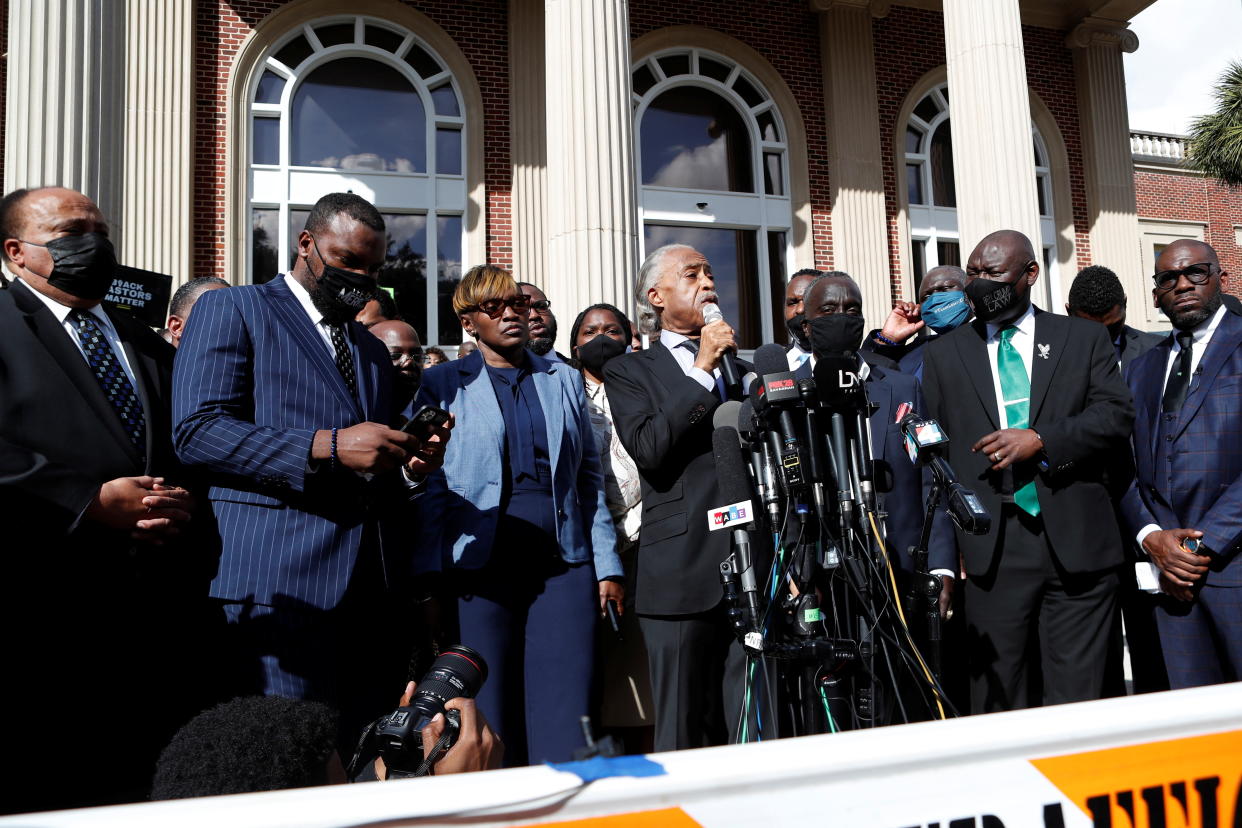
(541, 322)
(1185, 506)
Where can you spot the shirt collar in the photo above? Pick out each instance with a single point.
(304, 299)
(1208, 326)
(1024, 323)
(671, 340)
(61, 312)
(593, 389)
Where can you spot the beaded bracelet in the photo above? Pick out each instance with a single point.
(333, 455)
(884, 339)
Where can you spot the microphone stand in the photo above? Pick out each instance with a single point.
(924, 594)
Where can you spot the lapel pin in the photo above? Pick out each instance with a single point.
(1043, 351)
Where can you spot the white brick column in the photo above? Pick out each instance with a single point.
(592, 210)
(993, 164)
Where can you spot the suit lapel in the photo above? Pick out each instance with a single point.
(478, 397)
(880, 394)
(1148, 388)
(1224, 342)
(972, 349)
(548, 386)
(665, 365)
(52, 335)
(1049, 345)
(303, 331)
(368, 374)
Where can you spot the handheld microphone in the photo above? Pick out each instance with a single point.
(736, 515)
(926, 444)
(728, 362)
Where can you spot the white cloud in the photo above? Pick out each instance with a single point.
(1184, 46)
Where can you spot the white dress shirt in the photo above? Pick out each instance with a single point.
(796, 356)
(1202, 336)
(61, 312)
(316, 318)
(1024, 341)
(685, 358)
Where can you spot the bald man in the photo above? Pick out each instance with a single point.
(1034, 403)
(406, 352)
(93, 508)
(1188, 456)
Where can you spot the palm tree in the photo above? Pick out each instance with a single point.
(1215, 144)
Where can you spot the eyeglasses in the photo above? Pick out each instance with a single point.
(1197, 274)
(541, 304)
(399, 357)
(494, 307)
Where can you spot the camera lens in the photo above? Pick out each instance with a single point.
(458, 672)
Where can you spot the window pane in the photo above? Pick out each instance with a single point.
(927, 109)
(675, 65)
(747, 90)
(358, 114)
(263, 224)
(776, 285)
(270, 87)
(767, 126)
(733, 258)
(913, 138)
(294, 52)
(297, 221)
(334, 34)
(944, 192)
(424, 64)
(448, 266)
(713, 69)
(405, 268)
(773, 177)
(918, 262)
(266, 140)
(444, 99)
(914, 184)
(382, 38)
(694, 138)
(1041, 190)
(448, 151)
(949, 253)
(642, 79)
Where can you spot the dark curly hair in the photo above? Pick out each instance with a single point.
(622, 319)
(1096, 291)
(253, 743)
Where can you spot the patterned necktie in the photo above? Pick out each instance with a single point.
(344, 358)
(1179, 378)
(1016, 388)
(692, 345)
(111, 376)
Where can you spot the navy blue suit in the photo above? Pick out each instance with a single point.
(305, 549)
(1189, 475)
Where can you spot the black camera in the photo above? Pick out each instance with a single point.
(459, 672)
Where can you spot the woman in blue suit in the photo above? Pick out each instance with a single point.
(517, 523)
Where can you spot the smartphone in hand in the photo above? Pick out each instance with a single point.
(424, 420)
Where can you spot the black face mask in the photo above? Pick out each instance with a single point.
(991, 299)
(347, 292)
(82, 266)
(596, 352)
(794, 326)
(835, 333)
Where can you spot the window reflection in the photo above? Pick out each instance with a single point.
(733, 259)
(264, 222)
(266, 140)
(944, 190)
(448, 276)
(694, 138)
(358, 114)
(297, 222)
(405, 267)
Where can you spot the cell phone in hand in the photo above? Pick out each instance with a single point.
(614, 617)
(424, 420)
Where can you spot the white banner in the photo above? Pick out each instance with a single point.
(1168, 760)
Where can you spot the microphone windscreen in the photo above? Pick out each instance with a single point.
(771, 359)
(746, 417)
(726, 414)
(712, 313)
(731, 476)
(836, 380)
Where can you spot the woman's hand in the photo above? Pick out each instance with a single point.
(611, 591)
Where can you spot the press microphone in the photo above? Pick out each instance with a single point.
(762, 472)
(728, 362)
(736, 515)
(926, 445)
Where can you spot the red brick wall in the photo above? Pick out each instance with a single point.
(786, 33)
(220, 28)
(909, 43)
(1183, 197)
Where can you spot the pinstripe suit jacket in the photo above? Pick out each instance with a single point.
(252, 383)
(462, 504)
(1194, 479)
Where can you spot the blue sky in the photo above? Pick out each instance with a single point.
(1184, 46)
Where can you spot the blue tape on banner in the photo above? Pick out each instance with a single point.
(602, 768)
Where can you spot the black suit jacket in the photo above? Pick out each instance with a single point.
(1135, 343)
(1079, 405)
(664, 420)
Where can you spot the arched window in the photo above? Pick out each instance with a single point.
(712, 158)
(358, 104)
(932, 198)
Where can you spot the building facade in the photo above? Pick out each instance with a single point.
(564, 138)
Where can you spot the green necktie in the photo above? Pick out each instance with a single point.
(1016, 388)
